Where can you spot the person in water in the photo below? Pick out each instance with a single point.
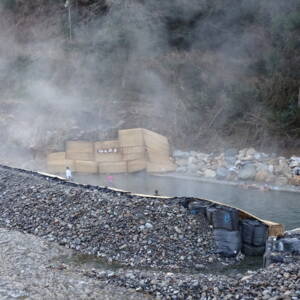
(110, 180)
(68, 173)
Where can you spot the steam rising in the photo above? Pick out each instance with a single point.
(165, 65)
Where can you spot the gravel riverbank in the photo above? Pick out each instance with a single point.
(27, 272)
(152, 240)
(275, 282)
(124, 229)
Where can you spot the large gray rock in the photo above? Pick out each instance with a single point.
(247, 172)
(222, 173)
(209, 173)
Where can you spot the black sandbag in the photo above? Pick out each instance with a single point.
(260, 234)
(250, 250)
(185, 202)
(228, 243)
(225, 218)
(254, 232)
(197, 207)
(247, 230)
(209, 213)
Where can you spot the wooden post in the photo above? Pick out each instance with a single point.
(68, 5)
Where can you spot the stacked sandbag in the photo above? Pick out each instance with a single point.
(109, 157)
(132, 143)
(86, 167)
(158, 149)
(80, 150)
(226, 231)
(209, 213)
(133, 148)
(197, 207)
(136, 165)
(254, 236)
(158, 153)
(228, 243)
(113, 167)
(107, 151)
(57, 162)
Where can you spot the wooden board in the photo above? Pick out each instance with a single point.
(89, 167)
(136, 165)
(112, 167)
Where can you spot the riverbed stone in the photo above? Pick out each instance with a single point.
(247, 172)
(263, 176)
(210, 173)
(222, 173)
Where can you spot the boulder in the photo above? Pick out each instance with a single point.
(192, 168)
(231, 152)
(262, 176)
(281, 180)
(247, 172)
(283, 168)
(192, 160)
(202, 156)
(222, 173)
(251, 152)
(295, 180)
(209, 173)
(230, 160)
(181, 162)
(294, 162)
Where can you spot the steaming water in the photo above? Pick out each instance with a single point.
(281, 207)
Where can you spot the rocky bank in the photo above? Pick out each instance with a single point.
(239, 165)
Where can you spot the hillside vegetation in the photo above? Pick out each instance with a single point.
(207, 73)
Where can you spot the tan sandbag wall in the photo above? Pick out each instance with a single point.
(113, 167)
(135, 150)
(136, 165)
(87, 167)
(108, 151)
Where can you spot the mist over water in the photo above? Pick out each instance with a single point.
(170, 66)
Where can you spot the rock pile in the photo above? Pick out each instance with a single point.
(119, 227)
(246, 164)
(275, 282)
